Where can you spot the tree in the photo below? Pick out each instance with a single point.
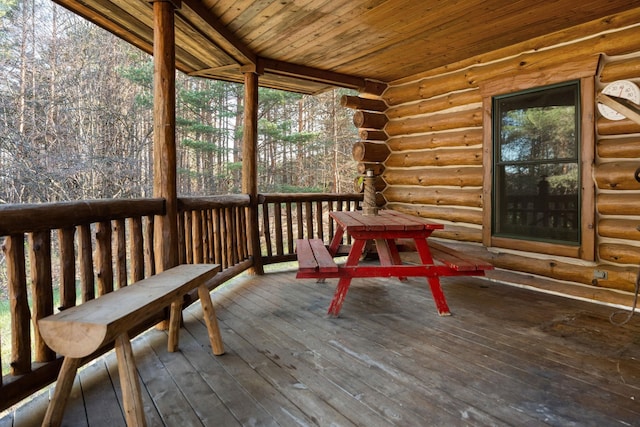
(76, 120)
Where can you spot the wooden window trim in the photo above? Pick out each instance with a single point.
(584, 71)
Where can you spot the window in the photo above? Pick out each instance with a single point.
(537, 179)
(538, 155)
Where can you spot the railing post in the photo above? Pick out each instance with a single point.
(250, 166)
(13, 248)
(164, 138)
(42, 289)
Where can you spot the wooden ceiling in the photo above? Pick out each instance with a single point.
(310, 45)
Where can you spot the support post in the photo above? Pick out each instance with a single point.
(250, 165)
(164, 139)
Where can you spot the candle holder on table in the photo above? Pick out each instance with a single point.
(369, 204)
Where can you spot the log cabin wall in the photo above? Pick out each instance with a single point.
(435, 133)
(372, 150)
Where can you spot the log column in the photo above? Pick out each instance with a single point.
(250, 165)
(164, 139)
(372, 151)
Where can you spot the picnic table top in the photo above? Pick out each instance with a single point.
(386, 220)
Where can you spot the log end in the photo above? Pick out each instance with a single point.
(72, 339)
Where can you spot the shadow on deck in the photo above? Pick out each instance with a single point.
(507, 356)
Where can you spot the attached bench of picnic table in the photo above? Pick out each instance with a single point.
(316, 260)
(80, 331)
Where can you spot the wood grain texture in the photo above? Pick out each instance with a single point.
(309, 46)
(386, 361)
(164, 143)
(81, 330)
(55, 410)
(129, 383)
(13, 248)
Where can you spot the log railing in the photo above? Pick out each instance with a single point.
(213, 230)
(57, 255)
(85, 249)
(286, 217)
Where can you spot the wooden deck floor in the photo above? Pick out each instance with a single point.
(507, 356)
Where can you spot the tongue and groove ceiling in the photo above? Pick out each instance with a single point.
(309, 46)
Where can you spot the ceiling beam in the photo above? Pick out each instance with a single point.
(273, 66)
(282, 68)
(228, 42)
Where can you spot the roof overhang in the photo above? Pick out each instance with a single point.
(309, 47)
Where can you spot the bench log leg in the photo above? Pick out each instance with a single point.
(175, 318)
(210, 319)
(129, 383)
(55, 410)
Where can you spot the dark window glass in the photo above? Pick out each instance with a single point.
(536, 179)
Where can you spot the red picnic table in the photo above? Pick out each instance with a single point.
(316, 260)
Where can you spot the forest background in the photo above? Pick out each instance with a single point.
(76, 124)
(76, 120)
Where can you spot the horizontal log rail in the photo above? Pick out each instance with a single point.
(57, 255)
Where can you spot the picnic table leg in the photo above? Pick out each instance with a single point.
(335, 241)
(438, 296)
(339, 296)
(343, 284)
(434, 282)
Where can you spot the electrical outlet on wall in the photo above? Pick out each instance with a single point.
(600, 274)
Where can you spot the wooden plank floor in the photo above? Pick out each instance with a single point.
(506, 357)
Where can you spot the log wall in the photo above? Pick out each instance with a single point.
(434, 133)
(372, 151)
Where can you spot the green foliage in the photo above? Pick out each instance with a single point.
(234, 166)
(7, 6)
(565, 183)
(539, 133)
(103, 110)
(144, 100)
(5, 331)
(270, 97)
(141, 74)
(198, 144)
(197, 127)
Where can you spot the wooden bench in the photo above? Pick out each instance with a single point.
(80, 331)
(456, 260)
(314, 258)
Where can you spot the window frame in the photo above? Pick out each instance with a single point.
(499, 228)
(583, 71)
